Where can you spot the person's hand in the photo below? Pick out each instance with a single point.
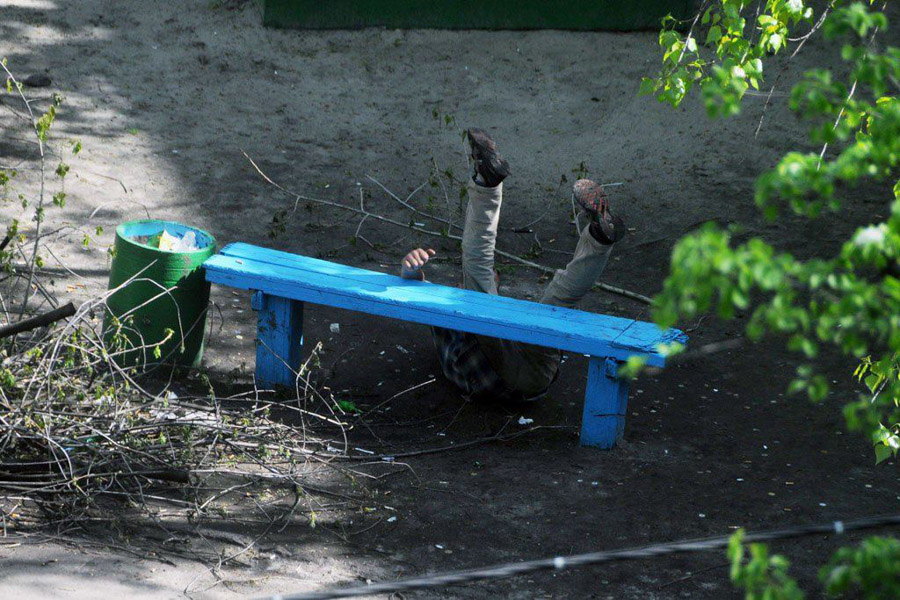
(412, 263)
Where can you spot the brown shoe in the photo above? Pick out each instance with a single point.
(605, 227)
(488, 164)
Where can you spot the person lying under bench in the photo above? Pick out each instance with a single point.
(490, 368)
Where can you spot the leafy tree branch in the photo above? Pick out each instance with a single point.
(849, 301)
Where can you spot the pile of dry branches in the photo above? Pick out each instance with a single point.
(81, 436)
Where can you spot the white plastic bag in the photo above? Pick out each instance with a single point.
(171, 243)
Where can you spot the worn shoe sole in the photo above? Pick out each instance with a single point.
(488, 163)
(606, 227)
(590, 197)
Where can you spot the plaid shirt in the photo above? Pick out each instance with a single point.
(465, 364)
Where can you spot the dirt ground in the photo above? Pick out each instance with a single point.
(165, 96)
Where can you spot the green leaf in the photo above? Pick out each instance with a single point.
(632, 367)
(347, 406)
(872, 382)
(648, 86)
(846, 300)
(882, 453)
(796, 386)
(808, 347)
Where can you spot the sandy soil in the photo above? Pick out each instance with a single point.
(164, 97)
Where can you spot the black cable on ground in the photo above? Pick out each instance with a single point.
(505, 570)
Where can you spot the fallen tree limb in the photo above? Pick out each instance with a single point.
(367, 215)
(39, 321)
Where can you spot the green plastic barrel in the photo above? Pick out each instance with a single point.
(159, 313)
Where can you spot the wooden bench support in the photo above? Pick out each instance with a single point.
(605, 403)
(279, 340)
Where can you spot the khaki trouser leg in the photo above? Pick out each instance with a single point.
(480, 237)
(526, 368)
(571, 284)
(531, 369)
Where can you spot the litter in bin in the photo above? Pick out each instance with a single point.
(168, 242)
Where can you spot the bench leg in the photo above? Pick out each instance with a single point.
(279, 340)
(605, 402)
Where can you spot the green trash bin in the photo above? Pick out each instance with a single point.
(159, 313)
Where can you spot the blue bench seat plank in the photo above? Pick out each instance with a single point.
(321, 282)
(355, 275)
(636, 335)
(642, 336)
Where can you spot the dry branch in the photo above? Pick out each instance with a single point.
(439, 234)
(80, 436)
(41, 320)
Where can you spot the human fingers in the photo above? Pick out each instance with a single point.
(413, 260)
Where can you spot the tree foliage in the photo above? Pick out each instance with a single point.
(763, 577)
(870, 571)
(850, 301)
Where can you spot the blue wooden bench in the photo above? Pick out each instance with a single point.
(283, 282)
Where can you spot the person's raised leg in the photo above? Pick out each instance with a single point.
(531, 369)
(485, 192)
(571, 284)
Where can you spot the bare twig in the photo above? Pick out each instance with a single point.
(849, 97)
(447, 235)
(40, 142)
(693, 574)
(803, 39)
(415, 210)
(575, 217)
(118, 202)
